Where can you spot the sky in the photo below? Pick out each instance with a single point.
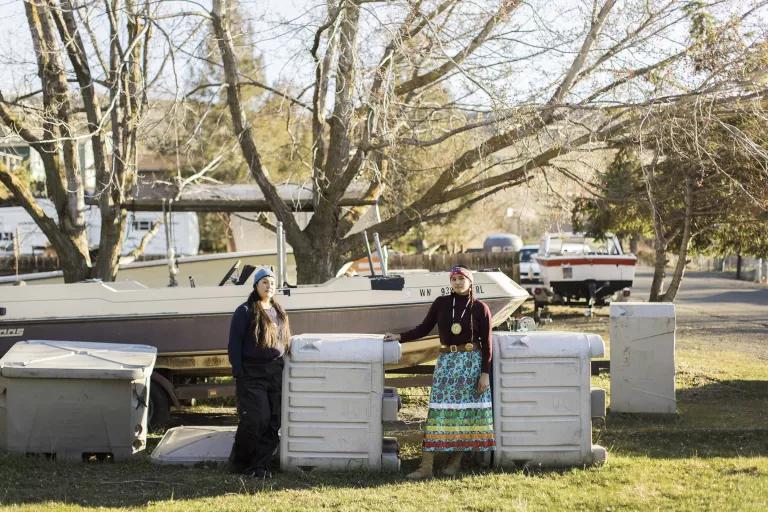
(282, 32)
(16, 44)
(283, 29)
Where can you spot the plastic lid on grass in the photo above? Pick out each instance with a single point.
(193, 445)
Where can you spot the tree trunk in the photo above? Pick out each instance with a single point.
(685, 243)
(658, 271)
(677, 276)
(110, 245)
(317, 265)
(73, 265)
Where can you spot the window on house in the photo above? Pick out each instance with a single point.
(143, 225)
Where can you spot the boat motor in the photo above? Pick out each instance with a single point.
(521, 324)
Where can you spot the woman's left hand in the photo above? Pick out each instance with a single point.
(483, 383)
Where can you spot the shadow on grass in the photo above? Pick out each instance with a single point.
(717, 390)
(674, 444)
(138, 482)
(718, 419)
(135, 483)
(736, 329)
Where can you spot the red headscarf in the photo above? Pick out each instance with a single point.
(462, 272)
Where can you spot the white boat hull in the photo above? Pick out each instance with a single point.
(190, 326)
(579, 277)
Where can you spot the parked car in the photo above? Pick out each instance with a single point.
(530, 273)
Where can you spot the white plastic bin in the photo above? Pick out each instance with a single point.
(333, 393)
(70, 400)
(643, 357)
(542, 400)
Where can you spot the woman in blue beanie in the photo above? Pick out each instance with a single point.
(259, 337)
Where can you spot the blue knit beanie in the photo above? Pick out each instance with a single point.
(261, 274)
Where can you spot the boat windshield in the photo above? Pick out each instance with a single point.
(582, 245)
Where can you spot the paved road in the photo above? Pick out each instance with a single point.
(714, 300)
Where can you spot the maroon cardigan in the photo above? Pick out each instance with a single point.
(440, 314)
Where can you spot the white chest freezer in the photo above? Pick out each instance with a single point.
(74, 400)
(542, 399)
(333, 398)
(643, 357)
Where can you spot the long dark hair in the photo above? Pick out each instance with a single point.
(261, 322)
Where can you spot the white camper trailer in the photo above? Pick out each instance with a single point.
(185, 232)
(16, 222)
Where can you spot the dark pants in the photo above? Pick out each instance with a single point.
(259, 391)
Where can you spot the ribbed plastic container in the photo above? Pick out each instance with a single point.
(643, 357)
(542, 399)
(74, 400)
(333, 396)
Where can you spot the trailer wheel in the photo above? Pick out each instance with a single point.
(159, 408)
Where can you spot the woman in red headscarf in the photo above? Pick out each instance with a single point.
(460, 417)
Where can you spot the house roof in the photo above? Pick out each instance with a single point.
(230, 198)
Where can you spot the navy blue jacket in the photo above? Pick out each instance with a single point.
(242, 341)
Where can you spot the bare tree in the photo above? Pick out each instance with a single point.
(103, 81)
(517, 84)
(694, 178)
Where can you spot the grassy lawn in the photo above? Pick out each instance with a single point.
(712, 456)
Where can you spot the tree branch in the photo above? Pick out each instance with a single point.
(219, 18)
(139, 249)
(581, 57)
(343, 108)
(254, 83)
(506, 7)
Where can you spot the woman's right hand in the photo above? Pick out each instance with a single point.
(391, 337)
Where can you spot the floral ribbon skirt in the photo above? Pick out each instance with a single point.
(459, 419)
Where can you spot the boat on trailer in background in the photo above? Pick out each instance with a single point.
(576, 268)
(199, 270)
